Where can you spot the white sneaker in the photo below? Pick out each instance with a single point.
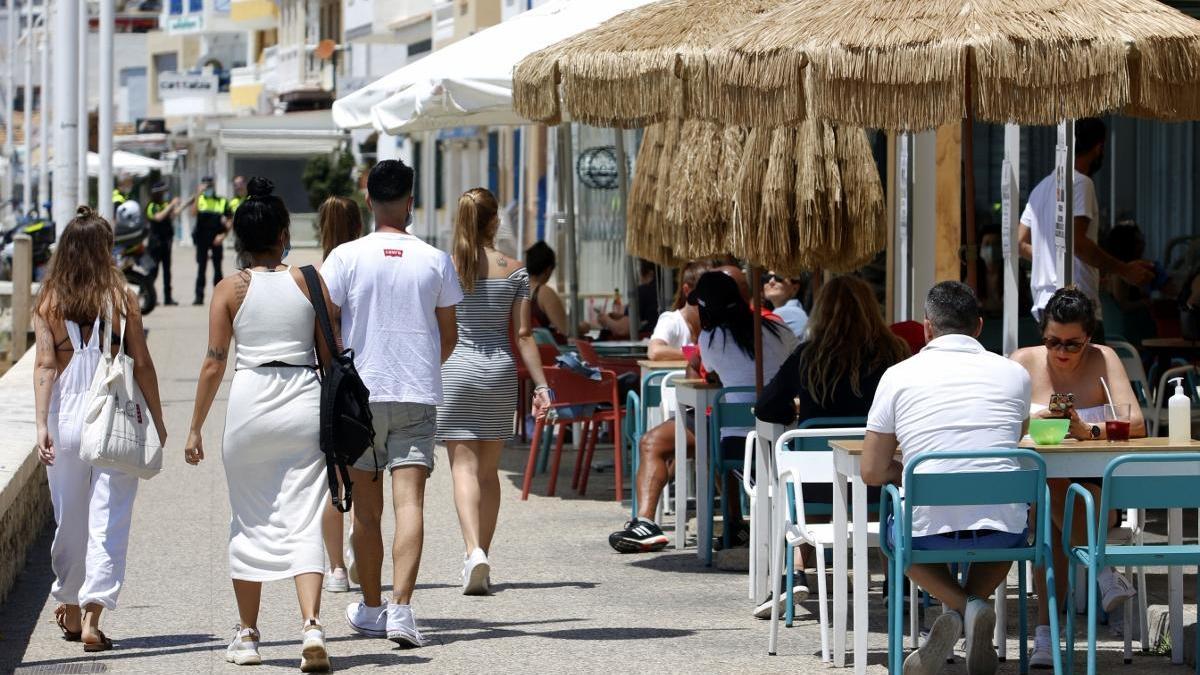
(475, 573)
(313, 657)
(336, 581)
(368, 621)
(243, 650)
(929, 659)
(980, 624)
(763, 610)
(1114, 589)
(402, 627)
(1041, 658)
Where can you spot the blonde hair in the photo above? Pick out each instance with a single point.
(82, 281)
(473, 228)
(847, 339)
(339, 220)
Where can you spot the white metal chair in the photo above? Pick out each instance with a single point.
(750, 488)
(667, 408)
(1132, 360)
(796, 468)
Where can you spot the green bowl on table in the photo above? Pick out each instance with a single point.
(1048, 431)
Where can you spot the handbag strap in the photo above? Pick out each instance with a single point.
(116, 319)
(317, 297)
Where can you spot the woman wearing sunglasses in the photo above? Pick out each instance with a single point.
(1068, 362)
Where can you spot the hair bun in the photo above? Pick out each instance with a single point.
(84, 211)
(260, 187)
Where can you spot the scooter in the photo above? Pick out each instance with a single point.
(41, 231)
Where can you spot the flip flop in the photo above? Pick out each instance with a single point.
(102, 646)
(60, 618)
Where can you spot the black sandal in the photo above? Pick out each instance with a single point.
(60, 618)
(102, 646)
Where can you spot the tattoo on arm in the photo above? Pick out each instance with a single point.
(217, 354)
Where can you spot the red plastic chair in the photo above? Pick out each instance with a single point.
(548, 354)
(912, 332)
(588, 353)
(572, 390)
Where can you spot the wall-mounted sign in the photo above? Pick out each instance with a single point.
(188, 23)
(187, 85)
(597, 167)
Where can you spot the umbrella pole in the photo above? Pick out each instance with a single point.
(756, 290)
(631, 265)
(968, 134)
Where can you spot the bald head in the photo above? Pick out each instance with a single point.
(739, 277)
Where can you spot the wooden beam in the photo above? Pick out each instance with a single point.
(948, 238)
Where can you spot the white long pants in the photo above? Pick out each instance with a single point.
(93, 507)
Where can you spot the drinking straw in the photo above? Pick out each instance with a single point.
(1107, 393)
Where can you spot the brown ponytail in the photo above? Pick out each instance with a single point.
(477, 209)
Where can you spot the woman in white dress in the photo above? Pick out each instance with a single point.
(271, 451)
(93, 507)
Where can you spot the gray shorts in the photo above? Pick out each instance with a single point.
(403, 436)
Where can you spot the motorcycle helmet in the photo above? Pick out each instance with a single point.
(128, 220)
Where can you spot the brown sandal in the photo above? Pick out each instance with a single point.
(60, 618)
(102, 646)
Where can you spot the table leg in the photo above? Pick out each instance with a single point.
(861, 624)
(839, 569)
(762, 519)
(1175, 585)
(680, 479)
(704, 516)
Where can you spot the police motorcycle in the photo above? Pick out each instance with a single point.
(132, 254)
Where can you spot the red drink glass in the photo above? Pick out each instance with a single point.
(1116, 422)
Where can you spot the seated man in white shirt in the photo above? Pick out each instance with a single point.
(953, 395)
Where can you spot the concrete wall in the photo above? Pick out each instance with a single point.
(24, 496)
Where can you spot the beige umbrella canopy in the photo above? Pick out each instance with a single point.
(789, 199)
(918, 64)
(624, 72)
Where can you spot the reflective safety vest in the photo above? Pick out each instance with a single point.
(155, 208)
(119, 197)
(234, 203)
(206, 204)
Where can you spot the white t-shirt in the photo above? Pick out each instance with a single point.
(388, 285)
(721, 355)
(955, 395)
(672, 329)
(1039, 218)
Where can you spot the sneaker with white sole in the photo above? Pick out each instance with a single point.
(980, 624)
(313, 656)
(1041, 658)
(476, 569)
(243, 650)
(929, 659)
(337, 581)
(402, 627)
(1114, 589)
(368, 621)
(763, 610)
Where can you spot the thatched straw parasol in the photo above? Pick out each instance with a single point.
(624, 72)
(904, 64)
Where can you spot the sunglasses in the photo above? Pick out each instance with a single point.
(775, 278)
(1069, 346)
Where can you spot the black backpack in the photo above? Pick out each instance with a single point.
(346, 427)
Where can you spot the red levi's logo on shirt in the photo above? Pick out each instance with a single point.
(393, 252)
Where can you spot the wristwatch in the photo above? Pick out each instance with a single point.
(1095, 432)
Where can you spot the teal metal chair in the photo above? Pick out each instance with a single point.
(632, 428)
(1127, 491)
(812, 444)
(725, 414)
(1026, 485)
(651, 397)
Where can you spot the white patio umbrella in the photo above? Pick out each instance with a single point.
(469, 83)
(126, 162)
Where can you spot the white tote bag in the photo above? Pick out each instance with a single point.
(118, 432)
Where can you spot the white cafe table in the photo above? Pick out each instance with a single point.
(698, 395)
(1068, 460)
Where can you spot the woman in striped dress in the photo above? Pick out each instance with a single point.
(479, 379)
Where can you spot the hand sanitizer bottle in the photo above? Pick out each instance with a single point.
(1180, 415)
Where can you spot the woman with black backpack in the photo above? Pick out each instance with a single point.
(271, 450)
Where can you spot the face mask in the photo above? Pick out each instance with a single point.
(287, 248)
(1094, 167)
(210, 193)
(988, 253)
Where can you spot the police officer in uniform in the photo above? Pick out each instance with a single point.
(239, 194)
(213, 217)
(160, 213)
(123, 191)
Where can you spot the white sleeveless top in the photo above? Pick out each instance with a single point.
(1092, 415)
(275, 322)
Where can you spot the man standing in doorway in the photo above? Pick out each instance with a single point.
(213, 218)
(161, 212)
(1036, 233)
(397, 296)
(239, 194)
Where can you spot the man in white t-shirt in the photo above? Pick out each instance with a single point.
(953, 395)
(1036, 233)
(397, 296)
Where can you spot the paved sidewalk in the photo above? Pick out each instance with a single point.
(563, 600)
